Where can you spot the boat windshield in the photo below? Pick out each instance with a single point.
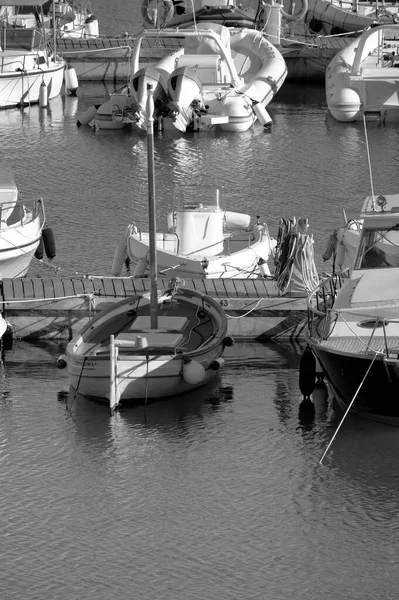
(198, 197)
(378, 249)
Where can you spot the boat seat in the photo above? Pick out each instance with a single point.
(172, 324)
(156, 338)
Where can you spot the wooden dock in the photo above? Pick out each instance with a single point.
(57, 308)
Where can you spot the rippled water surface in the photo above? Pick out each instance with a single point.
(219, 495)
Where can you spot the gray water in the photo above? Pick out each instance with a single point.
(219, 495)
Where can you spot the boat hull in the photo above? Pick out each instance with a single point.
(240, 264)
(181, 354)
(349, 375)
(362, 79)
(23, 88)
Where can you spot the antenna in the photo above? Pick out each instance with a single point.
(368, 158)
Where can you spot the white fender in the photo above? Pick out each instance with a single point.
(339, 260)
(235, 220)
(71, 80)
(140, 267)
(261, 113)
(88, 116)
(119, 257)
(296, 16)
(43, 96)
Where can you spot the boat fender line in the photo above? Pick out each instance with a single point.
(39, 253)
(48, 242)
(119, 259)
(61, 362)
(193, 372)
(157, 13)
(307, 373)
(331, 245)
(296, 16)
(216, 364)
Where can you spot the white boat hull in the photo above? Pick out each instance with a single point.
(241, 264)
(362, 80)
(23, 88)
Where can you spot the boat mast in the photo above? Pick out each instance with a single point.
(151, 207)
(54, 32)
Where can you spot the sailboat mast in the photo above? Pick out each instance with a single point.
(151, 207)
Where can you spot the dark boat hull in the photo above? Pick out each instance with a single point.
(376, 386)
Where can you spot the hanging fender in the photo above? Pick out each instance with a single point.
(157, 13)
(298, 15)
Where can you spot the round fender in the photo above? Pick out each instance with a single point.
(157, 13)
(298, 15)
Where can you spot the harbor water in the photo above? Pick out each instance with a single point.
(220, 494)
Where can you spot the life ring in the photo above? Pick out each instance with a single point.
(298, 15)
(157, 13)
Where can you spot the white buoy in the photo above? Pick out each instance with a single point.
(119, 257)
(193, 372)
(71, 80)
(43, 97)
(88, 116)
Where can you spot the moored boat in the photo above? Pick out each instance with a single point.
(20, 228)
(216, 76)
(362, 79)
(354, 321)
(29, 72)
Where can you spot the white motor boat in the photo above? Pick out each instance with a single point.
(203, 240)
(20, 228)
(362, 79)
(29, 72)
(354, 329)
(216, 76)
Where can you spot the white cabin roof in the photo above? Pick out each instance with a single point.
(380, 210)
